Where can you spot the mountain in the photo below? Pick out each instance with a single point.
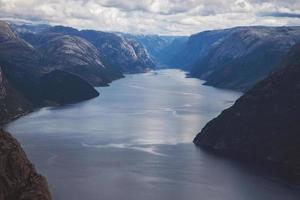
(12, 103)
(22, 66)
(25, 85)
(197, 47)
(161, 48)
(264, 123)
(72, 54)
(129, 56)
(62, 87)
(237, 58)
(19, 179)
(20, 63)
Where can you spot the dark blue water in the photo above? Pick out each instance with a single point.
(134, 142)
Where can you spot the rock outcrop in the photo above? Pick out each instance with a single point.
(264, 123)
(18, 177)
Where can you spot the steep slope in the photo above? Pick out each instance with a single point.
(76, 55)
(62, 87)
(237, 58)
(197, 47)
(23, 65)
(167, 54)
(264, 123)
(12, 103)
(129, 56)
(161, 48)
(20, 63)
(19, 179)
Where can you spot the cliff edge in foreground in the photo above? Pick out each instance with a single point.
(19, 179)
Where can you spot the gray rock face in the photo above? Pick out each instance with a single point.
(238, 58)
(162, 49)
(19, 179)
(76, 55)
(264, 123)
(12, 103)
(128, 55)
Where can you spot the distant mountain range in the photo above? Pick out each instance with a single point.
(129, 55)
(162, 49)
(236, 58)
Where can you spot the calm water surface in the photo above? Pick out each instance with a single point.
(134, 142)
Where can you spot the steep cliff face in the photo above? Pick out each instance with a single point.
(76, 55)
(62, 87)
(162, 49)
(237, 58)
(24, 66)
(19, 179)
(197, 47)
(12, 103)
(129, 56)
(264, 123)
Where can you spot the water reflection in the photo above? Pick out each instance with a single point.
(135, 142)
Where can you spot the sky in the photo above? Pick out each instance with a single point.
(165, 17)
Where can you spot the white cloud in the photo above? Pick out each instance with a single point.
(154, 16)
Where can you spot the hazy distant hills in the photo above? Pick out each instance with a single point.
(234, 58)
(162, 49)
(237, 58)
(264, 123)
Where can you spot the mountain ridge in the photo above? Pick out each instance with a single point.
(263, 123)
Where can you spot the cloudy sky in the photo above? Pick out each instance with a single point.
(174, 17)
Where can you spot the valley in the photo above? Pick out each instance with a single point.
(114, 114)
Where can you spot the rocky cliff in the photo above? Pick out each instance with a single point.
(26, 83)
(264, 123)
(129, 56)
(23, 64)
(162, 49)
(18, 177)
(12, 103)
(72, 54)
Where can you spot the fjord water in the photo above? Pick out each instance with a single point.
(135, 142)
